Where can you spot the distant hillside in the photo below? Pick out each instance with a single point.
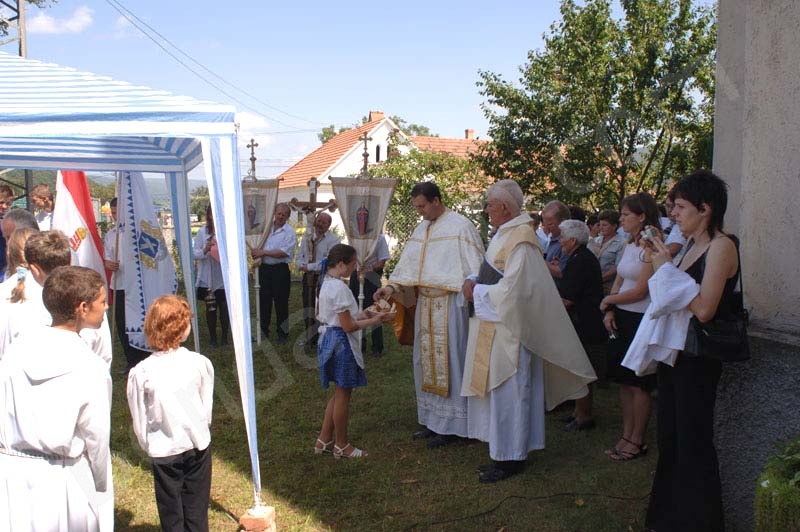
(156, 184)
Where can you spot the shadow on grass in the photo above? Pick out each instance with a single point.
(122, 521)
(401, 485)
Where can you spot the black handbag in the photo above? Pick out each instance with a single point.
(725, 337)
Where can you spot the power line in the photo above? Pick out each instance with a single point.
(131, 17)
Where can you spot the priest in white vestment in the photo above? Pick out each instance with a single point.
(523, 353)
(443, 249)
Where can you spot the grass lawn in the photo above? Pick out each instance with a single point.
(571, 485)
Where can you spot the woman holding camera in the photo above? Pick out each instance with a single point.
(209, 284)
(624, 308)
(686, 494)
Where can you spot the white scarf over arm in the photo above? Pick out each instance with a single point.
(662, 332)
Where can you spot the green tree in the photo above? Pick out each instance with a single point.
(198, 201)
(608, 107)
(7, 11)
(329, 132)
(460, 180)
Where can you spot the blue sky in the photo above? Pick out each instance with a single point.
(321, 62)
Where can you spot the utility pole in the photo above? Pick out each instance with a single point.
(17, 19)
(23, 47)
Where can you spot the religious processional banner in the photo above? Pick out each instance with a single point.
(260, 199)
(150, 272)
(363, 204)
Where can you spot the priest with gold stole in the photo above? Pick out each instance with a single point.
(523, 352)
(442, 251)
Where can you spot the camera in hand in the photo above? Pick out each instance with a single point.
(649, 233)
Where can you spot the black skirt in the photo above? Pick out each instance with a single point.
(627, 324)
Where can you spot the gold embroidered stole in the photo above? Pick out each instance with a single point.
(433, 307)
(483, 348)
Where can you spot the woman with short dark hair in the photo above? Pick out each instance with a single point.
(687, 495)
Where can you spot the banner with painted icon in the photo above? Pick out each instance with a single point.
(363, 204)
(259, 201)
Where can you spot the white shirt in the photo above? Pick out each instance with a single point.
(17, 318)
(170, 395)
(322, 247)
(110, 253)
(209, 270)
(45, 220)
(58, 397)
(380, 253)
(335, 297)
(662, 332)
(283, 239)
(675, 236)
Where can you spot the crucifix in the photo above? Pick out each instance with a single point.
(252, 173)
(364, 170)
(311, 209)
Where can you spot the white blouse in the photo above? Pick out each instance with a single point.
(209, 270)
(630, 268)
(335, 297)
(170, 396)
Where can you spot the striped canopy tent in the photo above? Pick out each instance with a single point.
(57, 118)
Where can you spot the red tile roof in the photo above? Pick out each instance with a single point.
(458, 147)
(319, 160)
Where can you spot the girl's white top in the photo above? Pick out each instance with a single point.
(630, 268)
(335, 297)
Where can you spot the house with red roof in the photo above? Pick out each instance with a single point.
(343, 155)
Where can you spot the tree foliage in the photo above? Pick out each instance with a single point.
(6, 13)
(609, 106)
(199, 199)
(460, 180)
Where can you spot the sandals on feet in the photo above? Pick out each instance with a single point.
(325, 447)
(338, 452)
(623, 456)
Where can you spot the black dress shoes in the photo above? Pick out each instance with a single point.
(497, 471)
(440, 440)
(575, 425)
(423, 433)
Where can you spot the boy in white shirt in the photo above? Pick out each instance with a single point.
(170, 395)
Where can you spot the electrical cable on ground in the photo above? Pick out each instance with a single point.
(510, 497)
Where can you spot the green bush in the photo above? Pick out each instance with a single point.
(778, 492)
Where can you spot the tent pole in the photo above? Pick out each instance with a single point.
(257, 286)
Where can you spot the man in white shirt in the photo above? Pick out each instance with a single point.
(373, 271)
(116, 250)
(273, 273)
(42, 199)
(313, 248)
(674, 239)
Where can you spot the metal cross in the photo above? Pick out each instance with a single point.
(364, 170)
(253, 145)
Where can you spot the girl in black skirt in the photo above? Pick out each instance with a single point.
(624, 308)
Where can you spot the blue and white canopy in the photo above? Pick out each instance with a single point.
(52, 117)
